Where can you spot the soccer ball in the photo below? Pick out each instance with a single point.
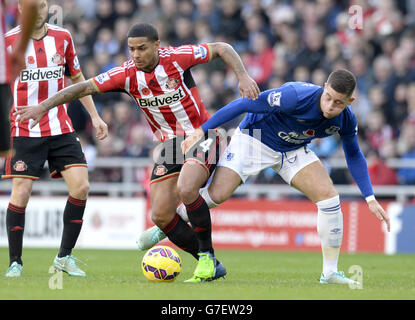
(161, 263)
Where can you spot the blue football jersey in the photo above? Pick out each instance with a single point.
(291, 117)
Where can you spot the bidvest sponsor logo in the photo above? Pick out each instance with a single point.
(162, 100)
(41, 74)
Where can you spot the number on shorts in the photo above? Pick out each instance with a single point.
(205, 145)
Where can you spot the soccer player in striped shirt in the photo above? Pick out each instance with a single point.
(50, 55)
(160, 81)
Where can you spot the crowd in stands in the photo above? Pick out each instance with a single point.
(278, 41)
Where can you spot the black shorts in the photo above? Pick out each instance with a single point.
(206, 152)
(6, 101)
(62, 152)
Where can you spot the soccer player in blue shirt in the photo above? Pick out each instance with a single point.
(275, 133)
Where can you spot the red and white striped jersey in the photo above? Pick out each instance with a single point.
(4, 59)
(168, 95)
(47, 60)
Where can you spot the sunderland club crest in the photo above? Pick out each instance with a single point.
(20, 166)
(172, 83)
(57, 59)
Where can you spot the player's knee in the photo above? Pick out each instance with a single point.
(188, 193)
(20, 197)
(160, 218)
(21, 193)
(216, 196)
(81, 191)
(328, 194)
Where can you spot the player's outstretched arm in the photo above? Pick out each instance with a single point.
(69, 94)
(357, 165)
(247, 86)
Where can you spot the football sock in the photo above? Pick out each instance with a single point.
(182, 235)
(199, 216)
(72, 224)
(181, 209)
(15, 220)
(330, 230)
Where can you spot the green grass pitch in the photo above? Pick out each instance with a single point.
(252, 275)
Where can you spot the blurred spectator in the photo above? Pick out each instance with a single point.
(106, 42)
(207, 11)
(232, 26)
(105, 14)
(279, 41)
(137, 143)
(124, 8)
(260, 60)
(379, 172)
(301, 73)
(407, 175)
(359, 65)
(169, 14)
(312, 54)
(184, 32)
(378, 131)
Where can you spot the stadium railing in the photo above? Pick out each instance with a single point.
(127, 187)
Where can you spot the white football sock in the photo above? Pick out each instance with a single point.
(330, 230)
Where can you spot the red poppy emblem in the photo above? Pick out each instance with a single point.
(145, 91)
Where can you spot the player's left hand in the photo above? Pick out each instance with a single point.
(377, 209)
(190, 141)
(101, 128)
(24, 113)
(248, 88)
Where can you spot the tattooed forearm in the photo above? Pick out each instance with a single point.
(70, 93)
(229, 55)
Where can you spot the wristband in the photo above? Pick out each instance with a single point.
(370, 198)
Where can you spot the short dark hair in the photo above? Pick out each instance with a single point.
(342, 81)
(143, 30)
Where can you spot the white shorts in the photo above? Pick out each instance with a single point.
(248, 156)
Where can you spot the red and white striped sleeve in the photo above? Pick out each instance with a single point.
(112, 80)
(190, 55)
(72, 58)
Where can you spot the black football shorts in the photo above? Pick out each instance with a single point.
(62, 152)
(171, 159)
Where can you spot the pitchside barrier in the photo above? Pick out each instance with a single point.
(115, 223)
(263, 217)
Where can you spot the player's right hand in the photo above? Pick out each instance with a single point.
(100, 127)
(24, 113)
(190, 141)
(248, 88)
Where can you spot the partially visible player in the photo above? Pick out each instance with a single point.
(275, 133)
(49, 56)
(160, 81)
(11, 65)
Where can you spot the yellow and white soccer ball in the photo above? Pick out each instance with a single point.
(161, 263)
